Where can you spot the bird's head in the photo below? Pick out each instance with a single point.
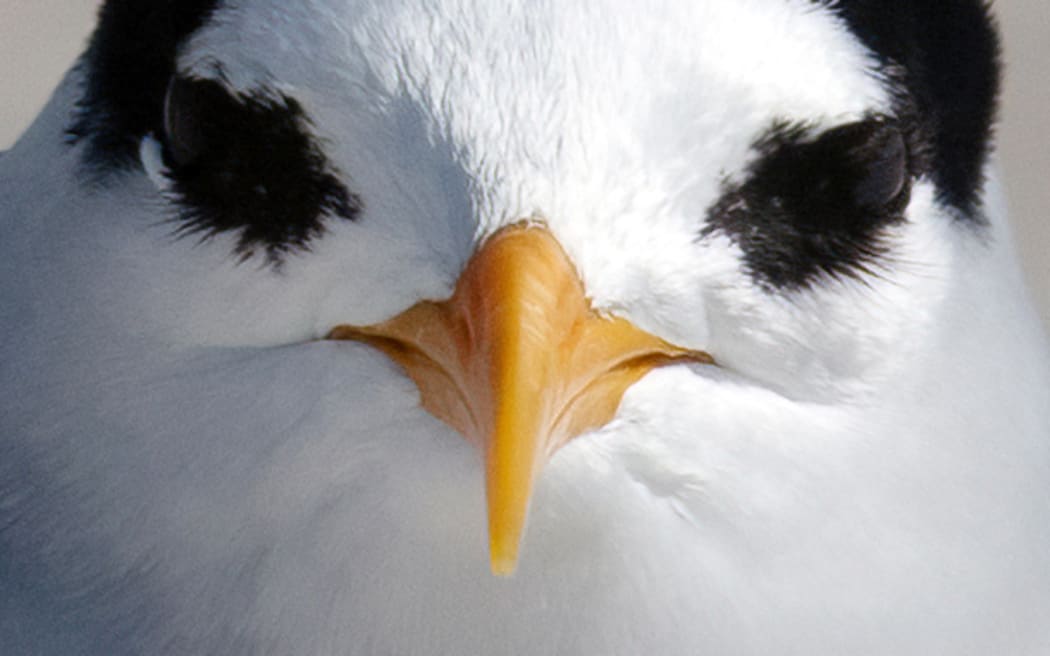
(528, 208)
(700, 247)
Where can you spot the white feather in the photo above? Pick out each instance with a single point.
(184, 470)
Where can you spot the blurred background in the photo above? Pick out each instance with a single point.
(40, 38)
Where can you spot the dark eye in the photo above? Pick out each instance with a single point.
(814, 206)
(186, 106)
(879, 161)
(852, 173)
(247, 163)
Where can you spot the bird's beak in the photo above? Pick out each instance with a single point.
(518, 362)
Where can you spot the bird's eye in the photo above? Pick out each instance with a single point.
(247, 163)
(185, 114)
(881, 159)
(813, 206)
(862, 165)
(844, 179)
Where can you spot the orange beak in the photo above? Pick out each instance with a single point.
(518, 362)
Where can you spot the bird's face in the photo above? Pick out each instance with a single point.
(742, 180)
(746, 194)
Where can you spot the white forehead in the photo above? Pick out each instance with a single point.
(553, 85)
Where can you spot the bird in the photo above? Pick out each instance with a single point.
(450, 327)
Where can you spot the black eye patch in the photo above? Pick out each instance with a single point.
(942, 60)
(816, 206)
(247, 164)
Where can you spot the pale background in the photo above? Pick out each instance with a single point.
(39, 39)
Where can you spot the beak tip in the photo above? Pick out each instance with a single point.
(504, 565)
(503, 553)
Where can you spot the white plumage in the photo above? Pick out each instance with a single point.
(185, 468)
